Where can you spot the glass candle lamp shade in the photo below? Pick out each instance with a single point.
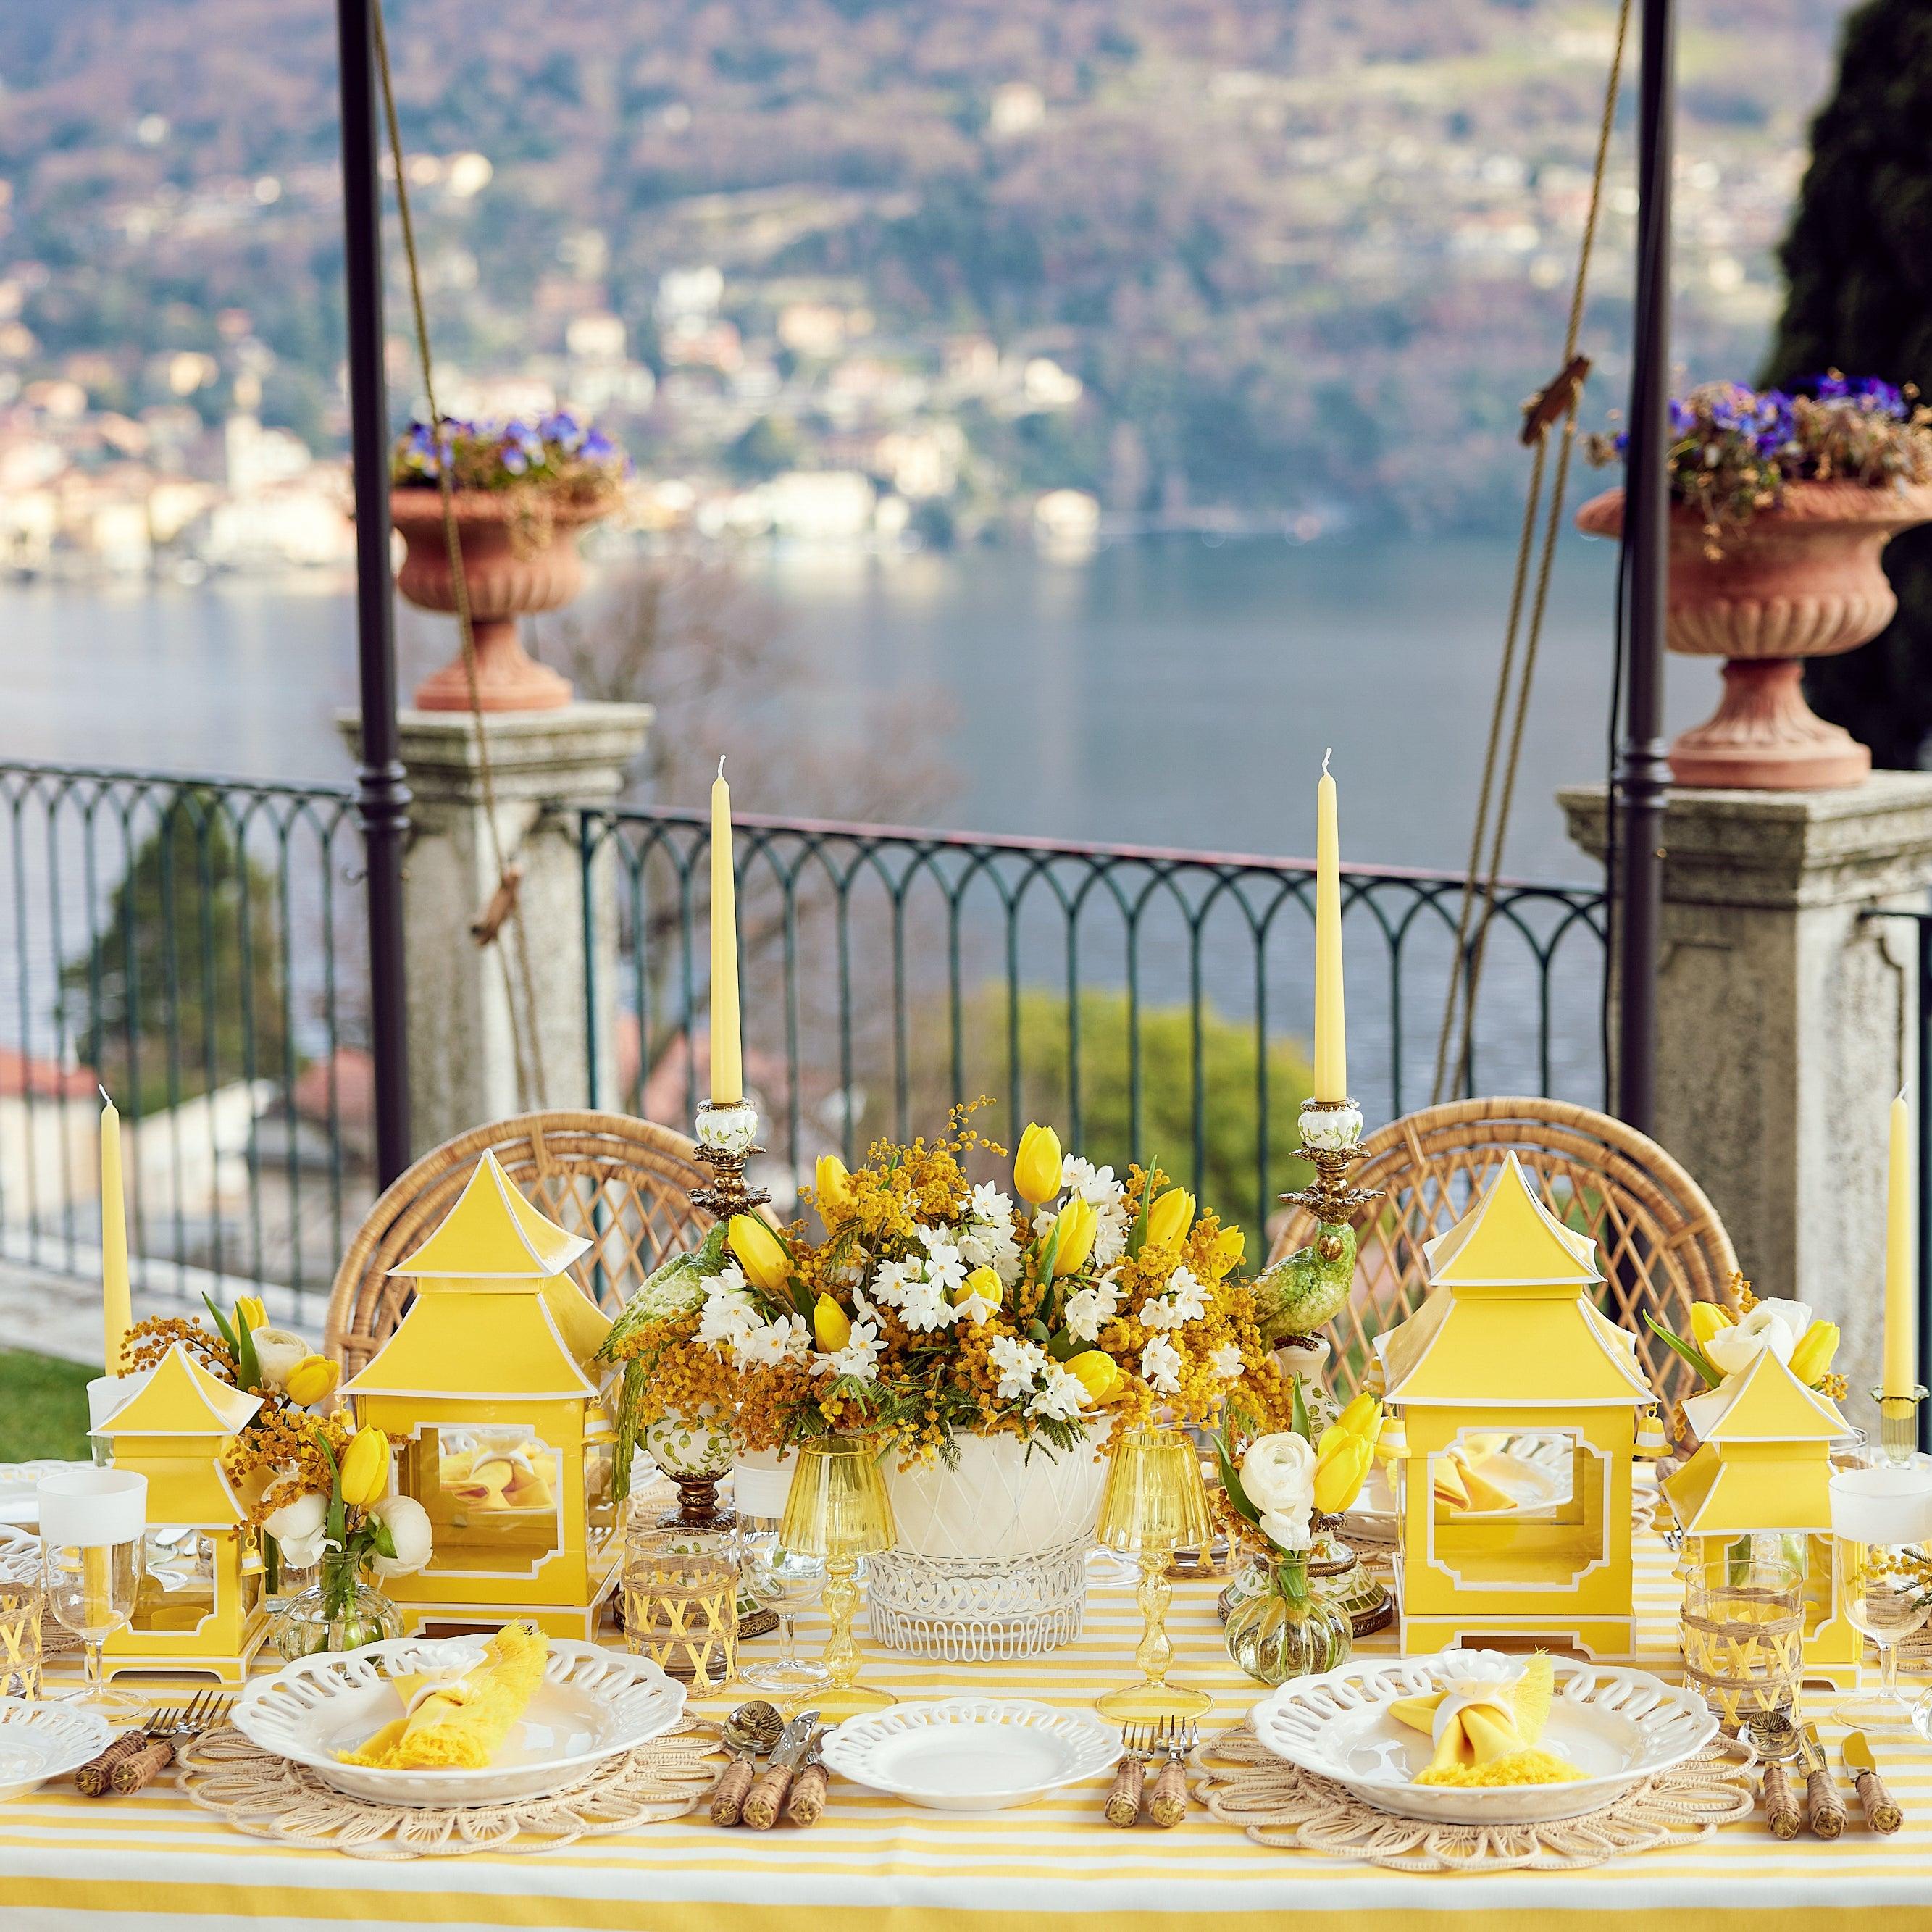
(837, 1509)
(93, 1524)
(1154, 1502)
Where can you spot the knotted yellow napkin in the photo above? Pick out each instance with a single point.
(1459, 1482)
(460, 1724)
(1486, 1721)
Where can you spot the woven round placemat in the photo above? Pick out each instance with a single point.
(1242, 1784)
(268, 1797)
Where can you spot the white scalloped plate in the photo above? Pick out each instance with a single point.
(971, 1753)
(38, 1741)
(592, 1704)
(1620, 1726)
(19, 1504)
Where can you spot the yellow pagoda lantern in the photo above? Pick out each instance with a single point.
(1763, 1468)
(1510, 1341)
(490, 1381)
(199, 1605)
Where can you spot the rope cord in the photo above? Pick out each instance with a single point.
(525, 1043)
(1466, 967)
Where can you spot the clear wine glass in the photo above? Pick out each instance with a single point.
(93, 1529)
(1881, 1517)
(783, 1581)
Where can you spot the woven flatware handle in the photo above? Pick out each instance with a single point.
(132, 1773)
(1823, 1805)
(95, 1777)
(727, 1801)
(1168, 1805)
(1780, 1807)
(766, 1798)
(806, 1805)
(1881, 1813)
(1123, 1801)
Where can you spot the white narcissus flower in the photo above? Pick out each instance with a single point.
(1225, 1361)
(1767, 1329)
(407, 1522)
(1060, 1394)
(277, 1352)
(1019, 1364)
(787, 1340)
(1160, 1364)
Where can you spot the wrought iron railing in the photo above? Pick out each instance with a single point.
(194, 944)
(1154, 1002)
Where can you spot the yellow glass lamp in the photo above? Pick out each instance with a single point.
(490, 1382)
(199, 1606)
(1510, 1341)
(1763, 1467)
(838, 1508)
(1154, 1503)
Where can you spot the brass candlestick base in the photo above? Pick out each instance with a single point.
(697, 1506)
(1331, 1143)
(1898, 1425)
(727, 1138)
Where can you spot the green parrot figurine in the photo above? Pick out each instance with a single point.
(1300, 1293)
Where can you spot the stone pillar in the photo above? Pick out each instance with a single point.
(463, 1064)
(1787, 1020)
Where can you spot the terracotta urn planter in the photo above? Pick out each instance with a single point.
(519, 556)
(1801, 581)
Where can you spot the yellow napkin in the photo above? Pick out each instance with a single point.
(1458, 1482)
(460, 1724)
(1490, 1735)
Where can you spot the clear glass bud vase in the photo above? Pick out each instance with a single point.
(336, 1611)
(1277, 1630)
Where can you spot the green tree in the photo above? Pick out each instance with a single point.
(1858, 262)
(180, 990)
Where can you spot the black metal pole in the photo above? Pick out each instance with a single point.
(1646, 547)
(384, 800)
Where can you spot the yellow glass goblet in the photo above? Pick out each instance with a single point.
(837, 1509)
(1155, 1502)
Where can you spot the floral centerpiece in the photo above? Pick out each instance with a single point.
(518, 494)
(1722, 1343)
(1782, 505)
(992, 1338)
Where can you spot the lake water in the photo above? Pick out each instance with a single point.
(1171, 693)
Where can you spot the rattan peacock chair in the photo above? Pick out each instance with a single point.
(1660, 1245)
(624, 1183)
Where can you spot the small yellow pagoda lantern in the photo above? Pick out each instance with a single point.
(198, 1605)
(1763, 1468)
(489, 1380)
(1510, 1341)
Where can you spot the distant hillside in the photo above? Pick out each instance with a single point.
(1296, 253)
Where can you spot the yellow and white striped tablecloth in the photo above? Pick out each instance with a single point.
(872, 1863)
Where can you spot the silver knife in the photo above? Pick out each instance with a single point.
(766, 1798)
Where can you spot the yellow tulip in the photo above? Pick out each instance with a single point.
(830, 1324)
(312, 1378)
(1076, 1224)
(1098, 1373)
(1363, 1416)
(1813, 1355)
(760, 1253)
(249, 1312)
(984, 1283)
(365, 1468)
(1706, 1318)
(1036, 1165)
(1230, 1248)
(833, 1187)
(1341, 1460)
(1170, 1217)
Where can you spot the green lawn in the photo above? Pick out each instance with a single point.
(43, 1407)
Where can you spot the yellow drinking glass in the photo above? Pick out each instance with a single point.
(837, 1509)
(1155, 1502)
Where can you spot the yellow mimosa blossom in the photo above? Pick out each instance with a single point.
(365, 1468)
(1036, 1165)
(311, 1379)
(1341, 1460)
(1076, 1224)
(760, 1253)
(832, 1185)
(1813, 1355)
(1098, 1373)
(830, 1324)
(1170, 1217)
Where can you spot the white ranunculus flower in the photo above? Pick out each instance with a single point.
(278, 1351)
(302, 1552)
(1278, 1472)
(407, 1522)
(295, 1521)
(1286, 1529)
(1764, 1330)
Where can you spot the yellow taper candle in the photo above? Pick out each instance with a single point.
(727, 1070)
(117, 1313)
(1901, 1337)
(1331, 1044)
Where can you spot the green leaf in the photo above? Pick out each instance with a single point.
(221, 1323)
(248, 1363)
(1689, 1351)
(1300, 1422)
(1039, 1331)
(380, 1535)
(1065, 1346)
(1231, 1482)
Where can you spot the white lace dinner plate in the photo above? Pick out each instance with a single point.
(18, 1483)
(1618, 1726)
(38, 1741)
(592, 1704)
(971, 1753)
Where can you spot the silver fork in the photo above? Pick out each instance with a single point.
(1137, 1752)
(1168, 1805)
(166, 1730)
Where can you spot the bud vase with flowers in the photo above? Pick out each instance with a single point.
(1283, 1495)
